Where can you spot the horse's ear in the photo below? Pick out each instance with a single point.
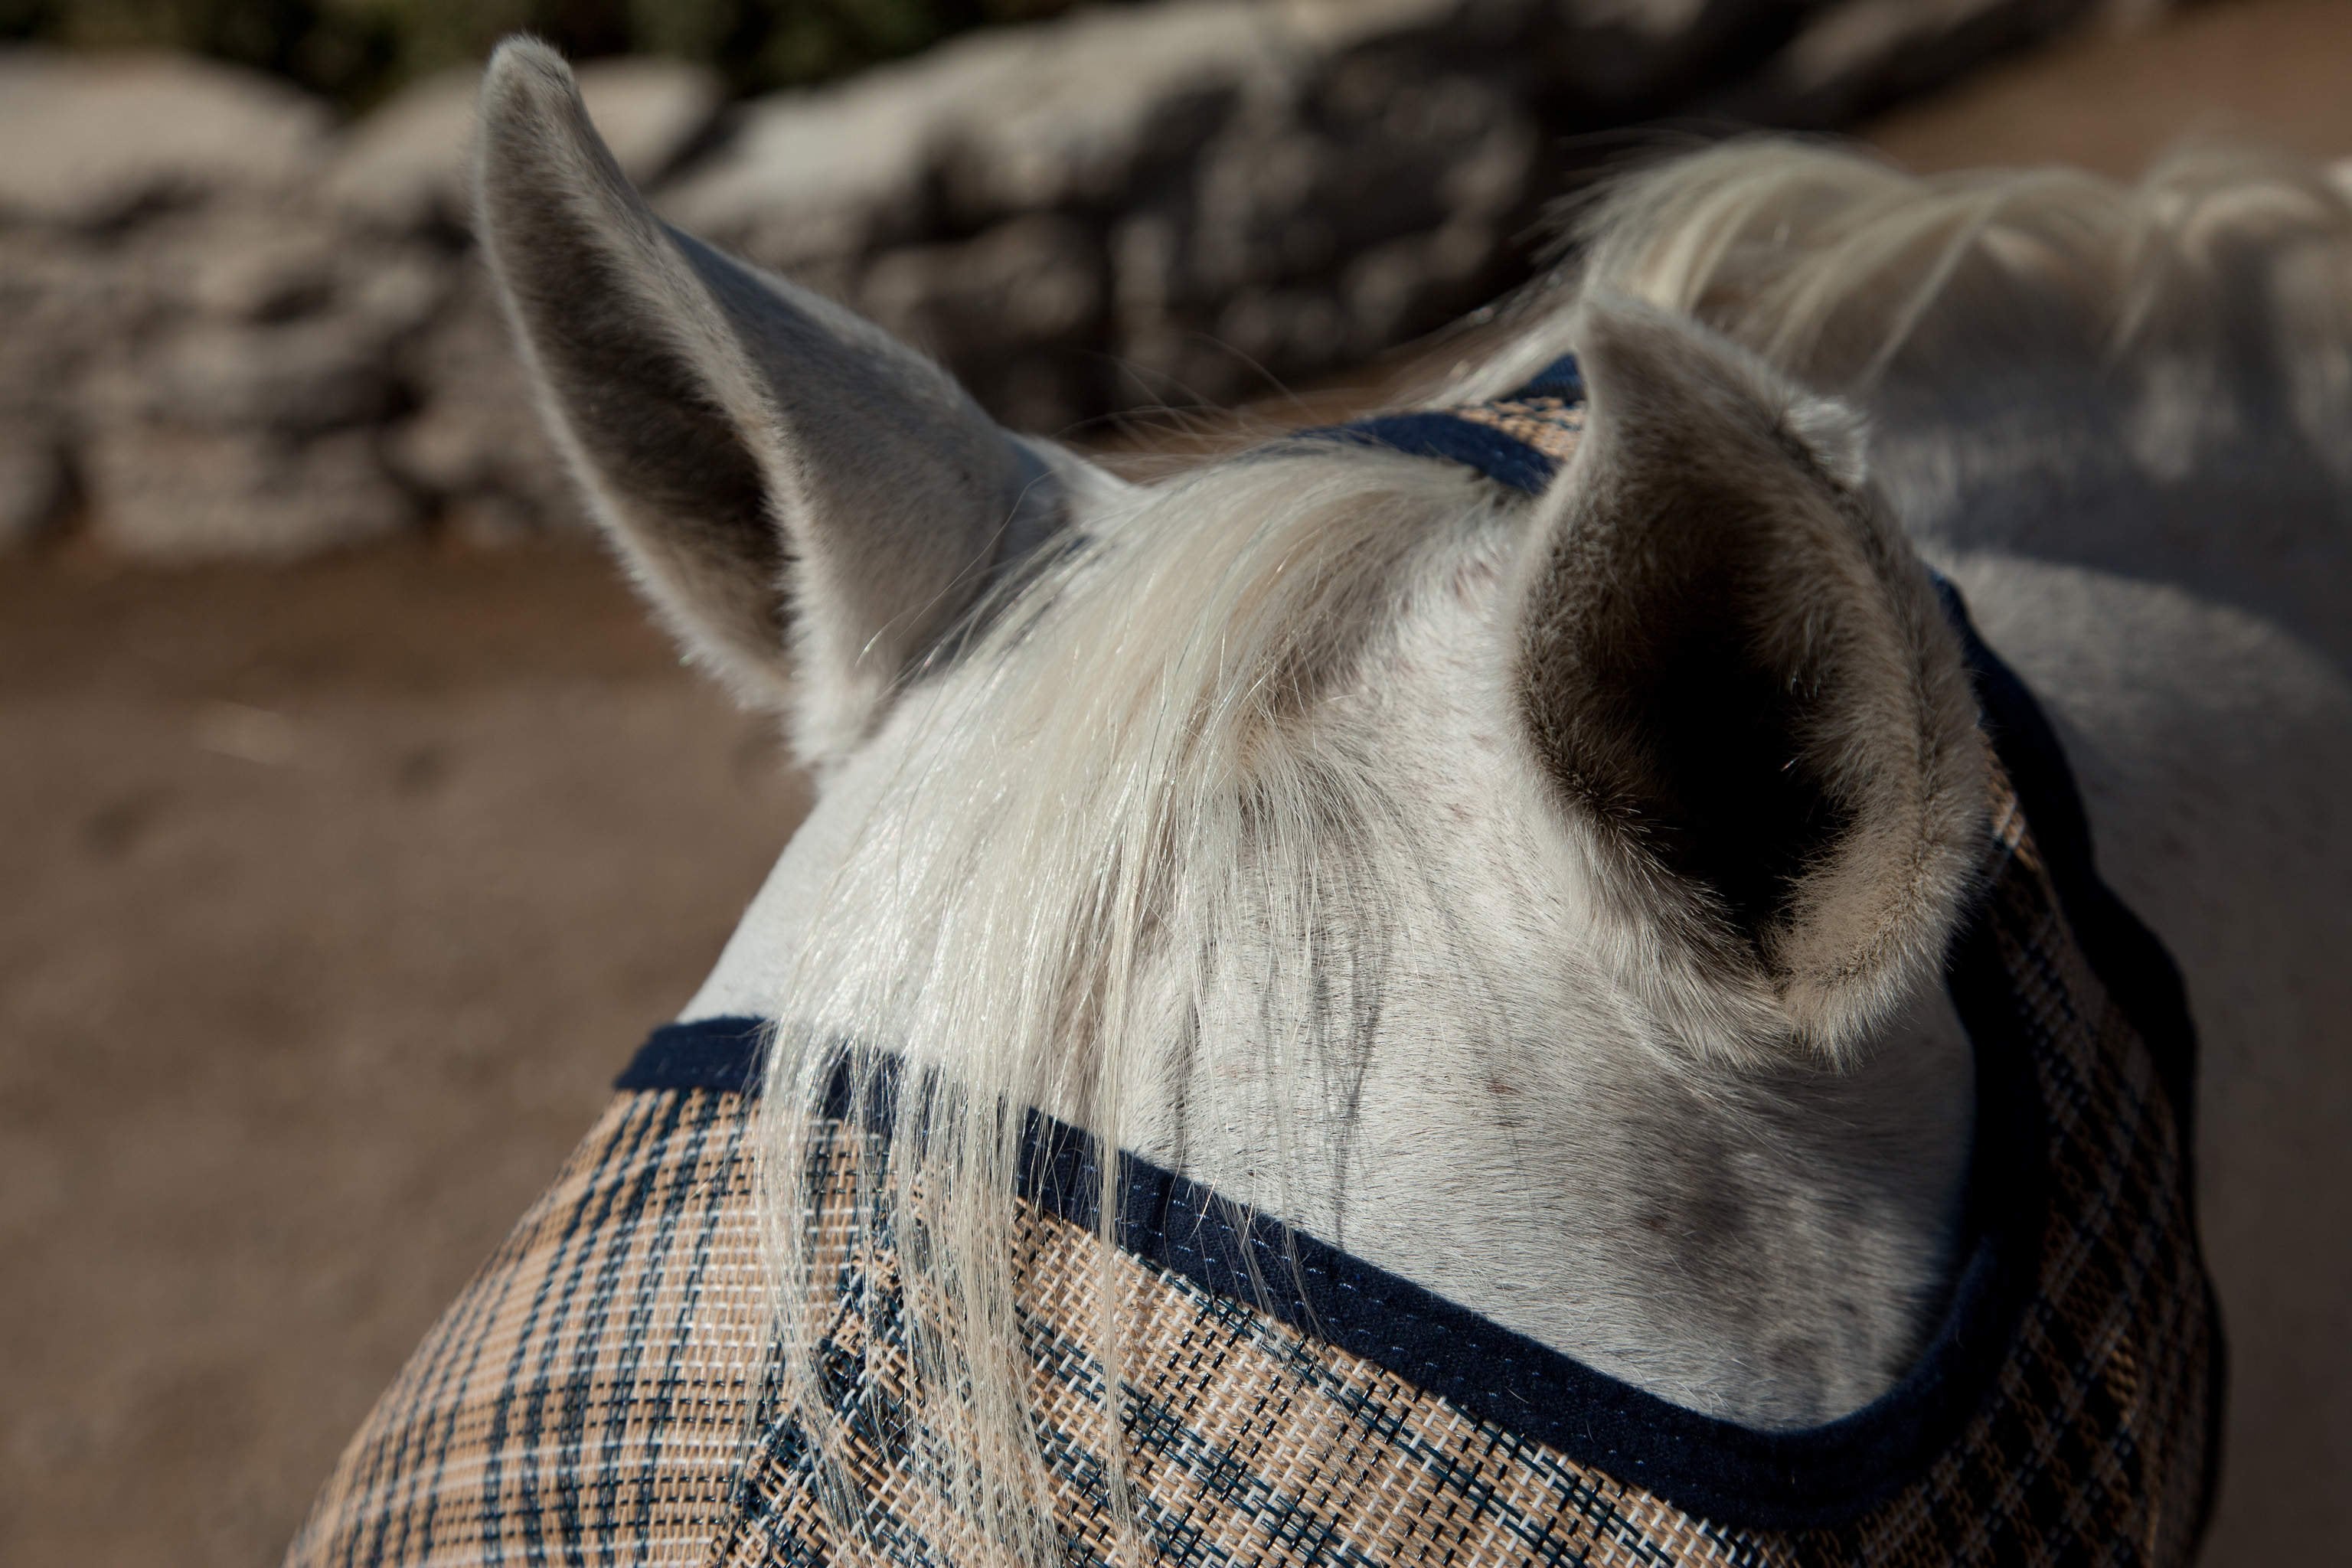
(777, 472)
(1740, 678)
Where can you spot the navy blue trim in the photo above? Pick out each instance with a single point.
(1563, 378)
(721, 1054)
(1436, 434)
(1449, 437)
(2131, 961)
(1731, 1474)
(1736, 1476)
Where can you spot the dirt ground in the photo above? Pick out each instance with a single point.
(335, 895)
(335, 898)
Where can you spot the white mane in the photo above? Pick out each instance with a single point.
(2223, 270)
(1087, 828)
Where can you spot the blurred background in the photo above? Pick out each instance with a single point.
(355, 827)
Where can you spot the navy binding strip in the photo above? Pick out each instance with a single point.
(1563, 378)
(1449, 437)
(1731, 1474)
(721, 1054)
(1734, 1475)
(1504, 458)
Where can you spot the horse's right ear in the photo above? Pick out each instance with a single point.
(777, 472)
(1741, 681)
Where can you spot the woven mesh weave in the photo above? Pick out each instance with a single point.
(595, 1395)
(1550, 425)
(595, 1380)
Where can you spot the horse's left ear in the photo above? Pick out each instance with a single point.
(1741, 680)
(775, 470)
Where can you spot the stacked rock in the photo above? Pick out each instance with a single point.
(235, 328)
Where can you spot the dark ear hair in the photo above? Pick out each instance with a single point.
(772, 466)
(1740, 677)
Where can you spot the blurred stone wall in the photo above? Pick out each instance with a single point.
(231, 327)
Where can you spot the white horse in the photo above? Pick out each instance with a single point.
(1465, 878)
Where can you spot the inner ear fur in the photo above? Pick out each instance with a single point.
(777, 471)
(620, 340)
(1740, 677)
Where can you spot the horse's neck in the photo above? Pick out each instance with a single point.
(2216, 491)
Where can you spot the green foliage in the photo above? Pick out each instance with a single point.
(356, 51)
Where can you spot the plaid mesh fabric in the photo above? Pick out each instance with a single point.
(595, 1393)
(1550, 425)
(589, 1391)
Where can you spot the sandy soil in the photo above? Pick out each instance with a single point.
(2277, 72)
(336, 895)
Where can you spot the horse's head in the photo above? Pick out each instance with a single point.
(1307, 816)
(1688, 730)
